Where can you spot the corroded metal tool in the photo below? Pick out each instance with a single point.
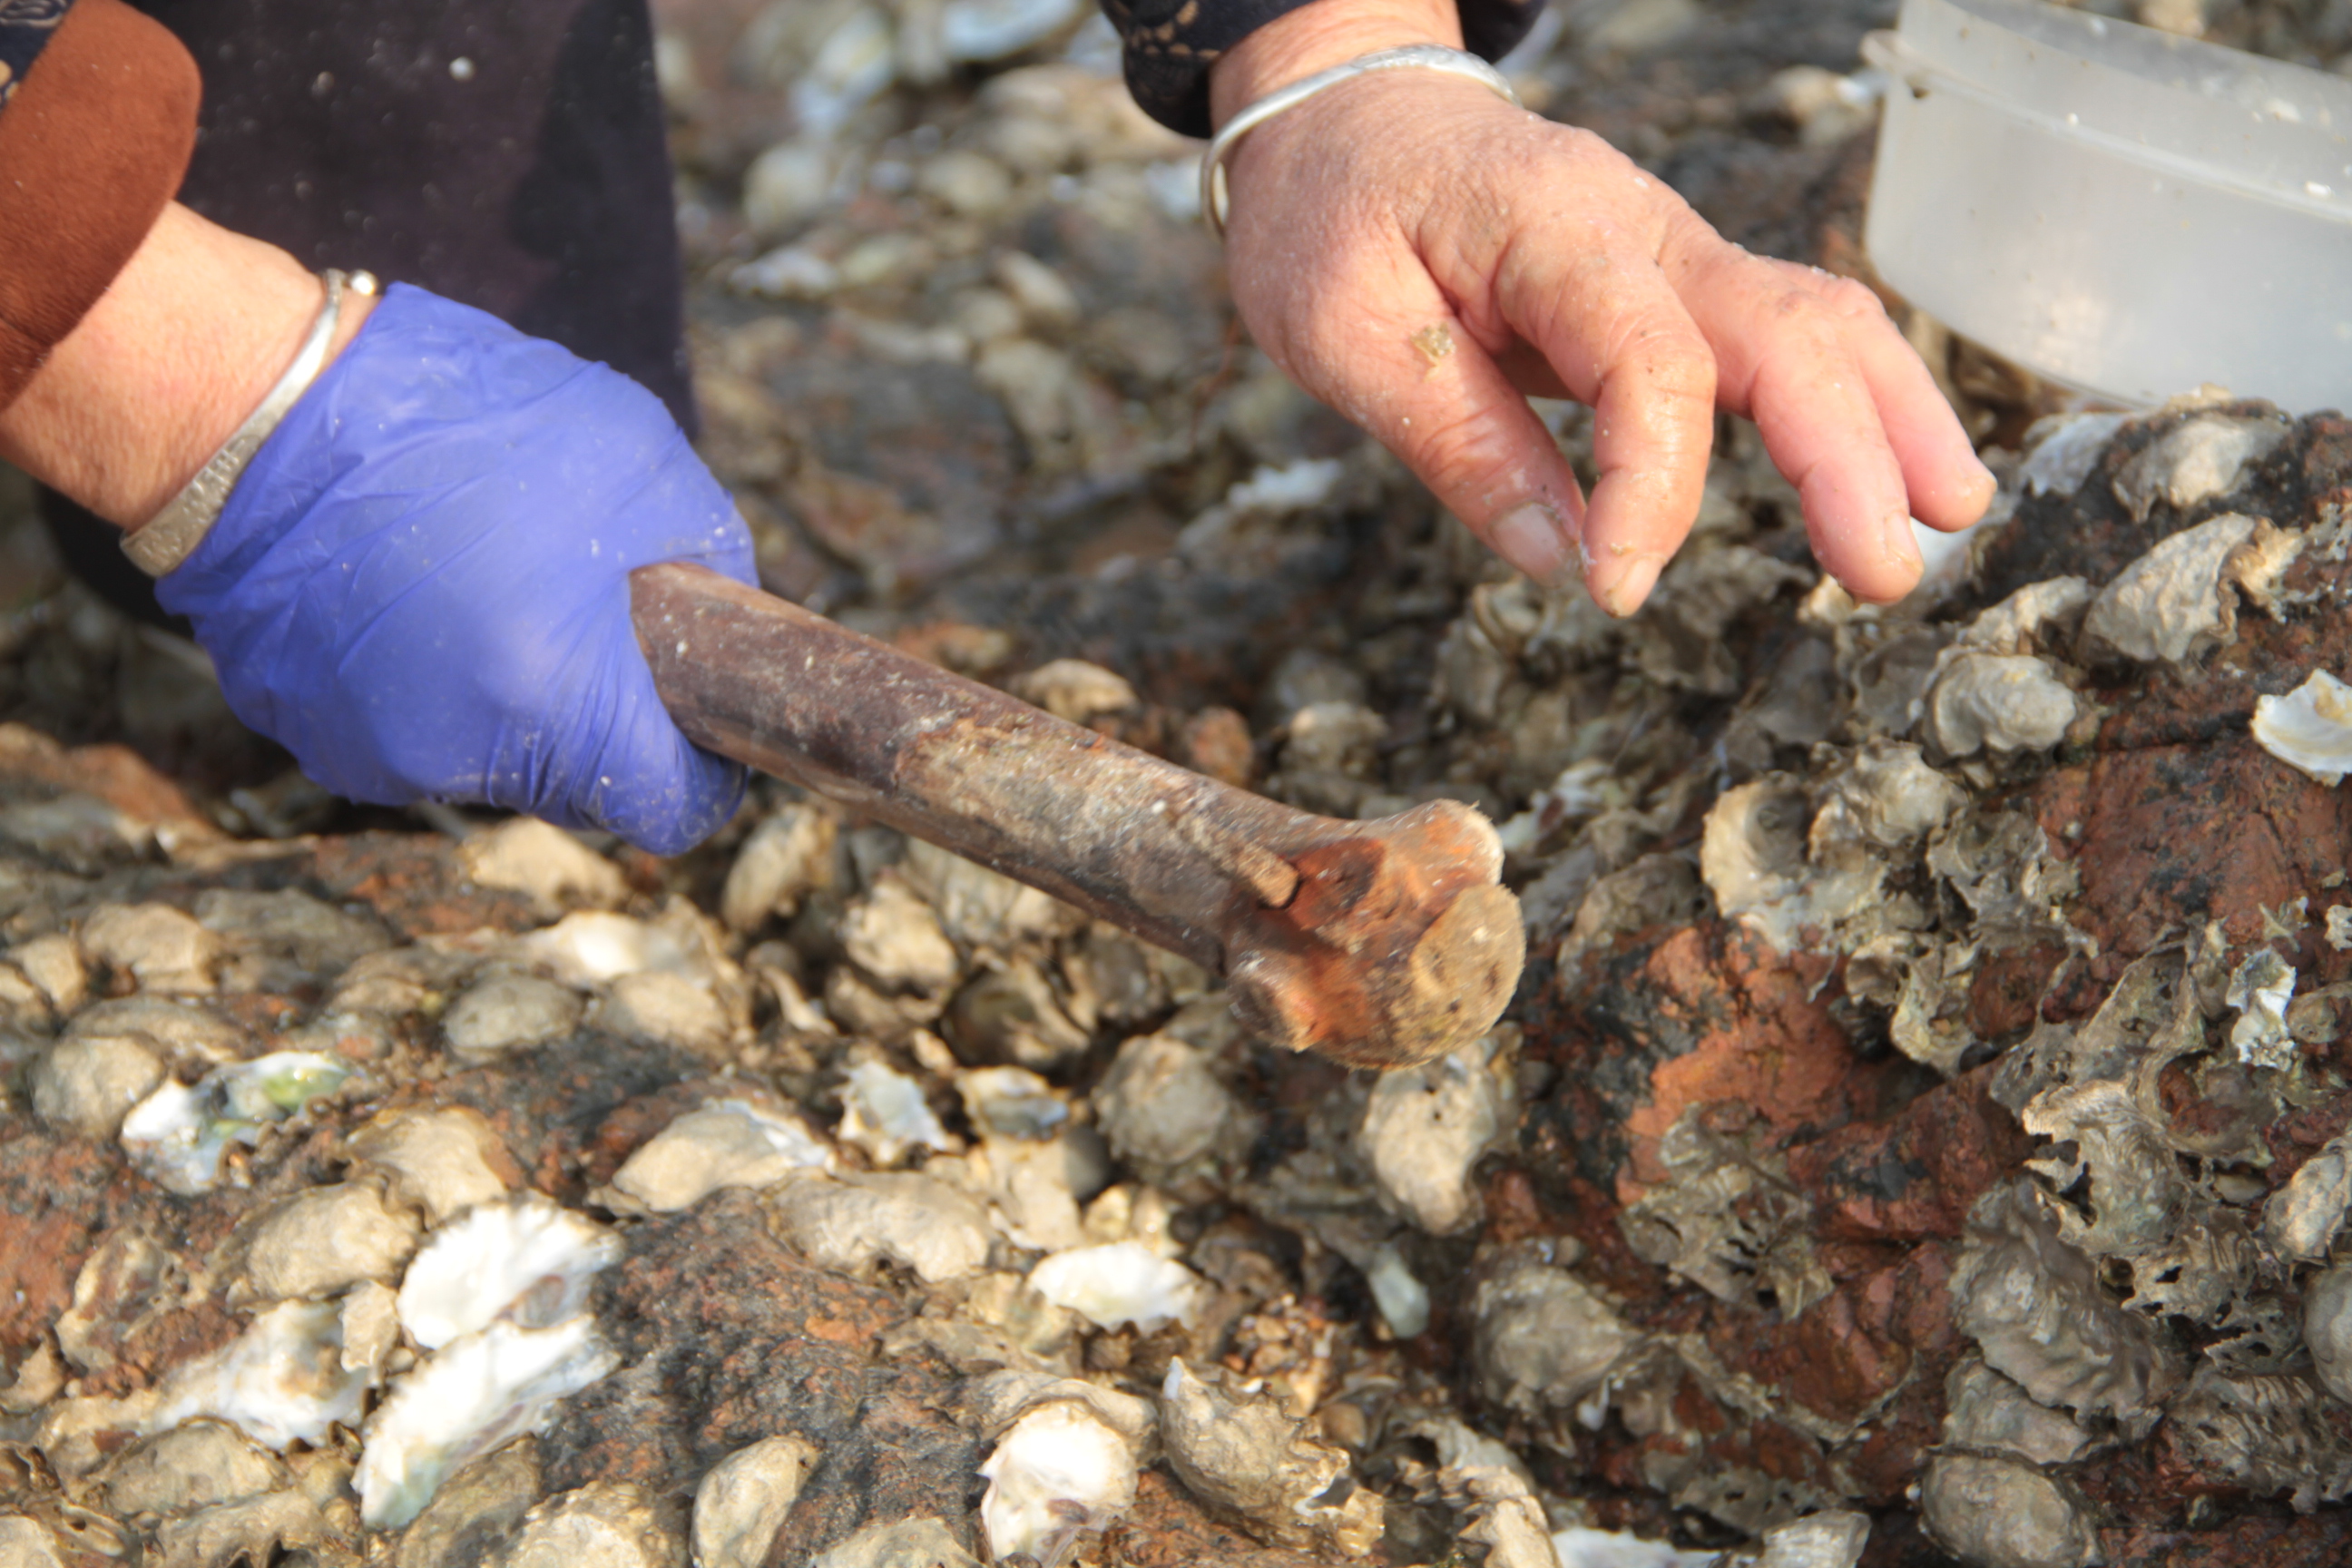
(1382, 944)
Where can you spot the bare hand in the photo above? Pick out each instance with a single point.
(1423, 257)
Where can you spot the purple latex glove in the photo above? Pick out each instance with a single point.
(420, 585)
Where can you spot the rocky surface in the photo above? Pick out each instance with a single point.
(1925, 1131)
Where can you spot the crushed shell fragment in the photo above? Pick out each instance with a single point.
(476, 1393)
(527, 1262)
(2310, 728)
(1121, 1283)
(1059, 1473)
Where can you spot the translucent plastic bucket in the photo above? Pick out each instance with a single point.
(2120, 210)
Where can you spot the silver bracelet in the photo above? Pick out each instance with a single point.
(172, 535)
(1412, 57)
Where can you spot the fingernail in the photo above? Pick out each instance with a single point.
(1621, 590)
(1902, 545)
(1532, 538)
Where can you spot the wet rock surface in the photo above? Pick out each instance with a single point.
(1926, 1127)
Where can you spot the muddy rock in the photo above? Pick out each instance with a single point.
(727, 1144)
(2202, 458)
(1999, 702)
(669, 1008)
(856, 1221)
(2175, 600)
(1011, 1013)
(160, 947)
(1998, 1514)
(893, 935)
(908, 1543)
(272, 940)
(477, 1511)
(979, 908)
(1545, 1339)
(1424, 1128)
(608, 1525)
(1161, 1105)
(2327, 1330)
(1987, 1413)
(1068, 688)
(1242, 1456)
(742, 1504)
(324, 1240)
(191, 1466)
(2034, 1304)
(28, 1543)
(442, 1161)
(230, 1532)
(508, 1012)
(546, 865)
(789, 856)
(86, 1085)
(54, 964)
(186, 1031)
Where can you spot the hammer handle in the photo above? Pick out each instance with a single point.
(1120, 833)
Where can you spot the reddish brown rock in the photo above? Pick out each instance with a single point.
(2300, 1133)
(2264, 1541)
(2173, 837)
(1166, 1528)
(1913, 1175)
(550, 1106)
(1216, 741)
(2005, 995)
(726, 1336)
(115, 774)
(58, 1197)
(416, 883)
(1841, 1358)
(1683, 1017)
(159, 1293)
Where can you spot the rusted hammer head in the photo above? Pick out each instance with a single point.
(1397, 946)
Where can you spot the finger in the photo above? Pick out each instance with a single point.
(1821, 426)
(1783, 352)
(1653, 427)
(1613, 331)
(1417, 379)
(1948, 485)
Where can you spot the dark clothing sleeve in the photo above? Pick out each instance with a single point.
(1171, 44)
(98, 117)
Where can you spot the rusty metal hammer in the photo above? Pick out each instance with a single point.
(1382, 944)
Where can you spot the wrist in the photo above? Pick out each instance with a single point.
(1318, 35)
(185, 342)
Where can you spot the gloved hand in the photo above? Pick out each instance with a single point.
(420, 585)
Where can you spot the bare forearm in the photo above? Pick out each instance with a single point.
(185, 342)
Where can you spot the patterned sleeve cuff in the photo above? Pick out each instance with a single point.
(1171, 44)
(26, 28)
(99, 119)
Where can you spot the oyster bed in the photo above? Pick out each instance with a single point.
(1922, 1133)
